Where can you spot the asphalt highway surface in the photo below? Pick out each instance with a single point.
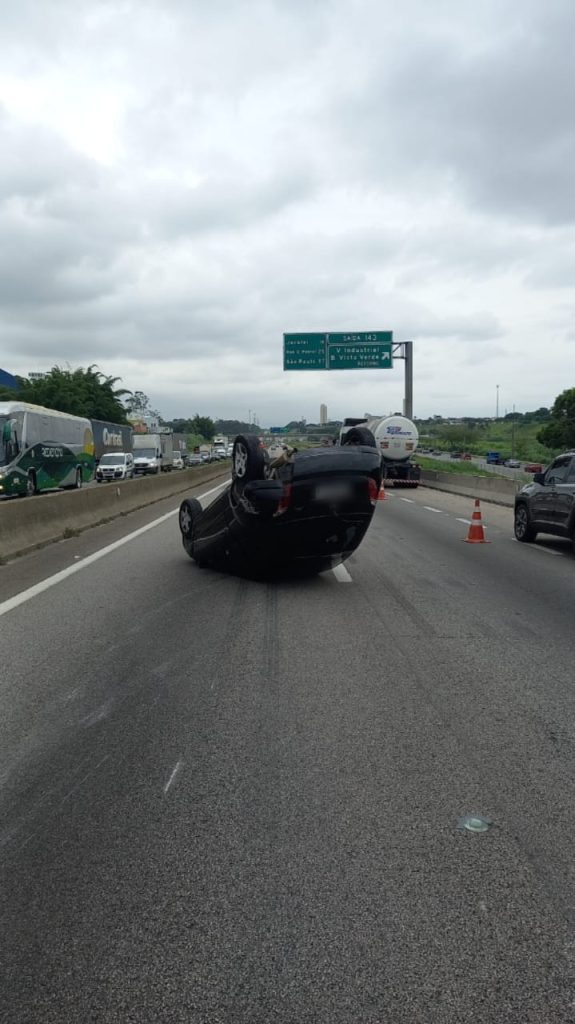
(224, 801)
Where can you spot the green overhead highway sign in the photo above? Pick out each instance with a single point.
(341, 350)
(304, 352)
(360, 337)
(360, 357)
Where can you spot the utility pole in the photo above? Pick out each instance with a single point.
(513, 434)
(497, 401)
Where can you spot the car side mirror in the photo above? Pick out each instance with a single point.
(539, 478)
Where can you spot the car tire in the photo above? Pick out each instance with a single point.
(78, 483)
(360, 435)
(524, 531)
(248, 458)
(190, 509)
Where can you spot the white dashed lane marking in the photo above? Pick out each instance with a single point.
(341, 574)
(172, 776)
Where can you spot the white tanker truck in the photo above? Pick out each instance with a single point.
(397, 439)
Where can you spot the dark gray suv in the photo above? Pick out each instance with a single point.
(548, 504)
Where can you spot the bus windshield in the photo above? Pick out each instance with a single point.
(5, 438)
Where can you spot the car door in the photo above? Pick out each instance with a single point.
(551, 497)
(565, 495)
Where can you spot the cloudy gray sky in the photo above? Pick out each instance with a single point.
(181, 181)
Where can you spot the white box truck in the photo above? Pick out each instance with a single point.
(153, 453)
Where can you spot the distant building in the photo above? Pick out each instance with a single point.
(143, 423)
(323, 415)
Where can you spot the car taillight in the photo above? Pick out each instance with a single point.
(284, 502)
(373, 489)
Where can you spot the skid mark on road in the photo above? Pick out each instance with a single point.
(271, 634)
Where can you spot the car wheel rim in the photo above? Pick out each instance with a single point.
(521, 521)
(240, 461)
(185, 521)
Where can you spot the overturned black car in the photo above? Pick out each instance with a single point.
(298, 515)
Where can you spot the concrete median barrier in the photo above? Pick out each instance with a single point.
(28, 523)
(492, 488)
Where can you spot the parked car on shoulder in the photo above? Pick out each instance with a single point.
(547, 505)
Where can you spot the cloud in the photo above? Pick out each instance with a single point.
(182, 183)
(486, 116)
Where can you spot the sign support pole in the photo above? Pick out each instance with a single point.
(408, 402)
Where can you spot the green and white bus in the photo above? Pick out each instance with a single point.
(41, 449)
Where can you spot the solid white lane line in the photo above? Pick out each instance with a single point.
(341, 574)
(51, 581)
(428, 508)
(172, 776)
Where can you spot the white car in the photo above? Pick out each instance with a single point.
(177, 461)
(115, 466)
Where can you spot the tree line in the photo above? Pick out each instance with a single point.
(91, 393)
(557, 426)
(81, 392)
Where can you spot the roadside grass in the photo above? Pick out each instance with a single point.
(498, 436)
(463, 468)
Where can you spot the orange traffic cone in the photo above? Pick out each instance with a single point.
(476, 533)
(382, 496)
